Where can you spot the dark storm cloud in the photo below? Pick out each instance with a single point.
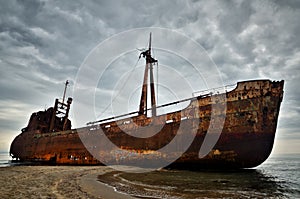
(43, 43)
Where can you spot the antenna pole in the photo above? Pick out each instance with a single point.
(66, 85)
(150, 42)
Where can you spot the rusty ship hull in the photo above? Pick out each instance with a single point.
(246, 139)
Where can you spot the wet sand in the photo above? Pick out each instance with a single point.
(55, 182)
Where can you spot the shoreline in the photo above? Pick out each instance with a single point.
(56, 182)
(90, 184)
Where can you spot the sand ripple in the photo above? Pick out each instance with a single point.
(54, 182)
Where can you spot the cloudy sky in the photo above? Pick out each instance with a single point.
(43, 43)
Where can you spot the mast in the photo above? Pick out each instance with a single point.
(143, 101)
(149, 65)
(153, 101)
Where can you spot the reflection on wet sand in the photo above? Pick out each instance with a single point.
(188, 184)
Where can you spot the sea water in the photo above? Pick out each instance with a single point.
(5, 159)
(278, 177)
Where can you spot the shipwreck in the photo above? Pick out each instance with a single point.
(246, 126)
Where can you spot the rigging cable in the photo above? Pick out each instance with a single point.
(157, 82)
(156, 77)
(121, 88)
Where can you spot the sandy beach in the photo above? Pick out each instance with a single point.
(277, 178)
(55, 182)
